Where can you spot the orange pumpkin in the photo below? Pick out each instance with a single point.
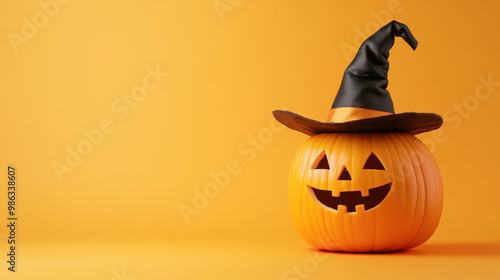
(365, 192)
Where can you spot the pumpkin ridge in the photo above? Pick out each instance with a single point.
(417, 168)
(316, 233)
(327, 219)
(299, 173)
(425, 227)
(323, 227)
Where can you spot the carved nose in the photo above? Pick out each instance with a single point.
(344, 175)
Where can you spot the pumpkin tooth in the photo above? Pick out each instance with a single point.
(336, 192)
(365, 192)
(360, 208)
(342, 209)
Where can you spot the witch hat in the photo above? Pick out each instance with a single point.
(363, 103)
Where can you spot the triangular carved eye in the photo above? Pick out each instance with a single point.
(323, 162)
(373, 163)
(344, 175)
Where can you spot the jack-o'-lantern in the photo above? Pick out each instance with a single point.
(363, 182)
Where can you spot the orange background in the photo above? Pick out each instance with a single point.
(117, 213)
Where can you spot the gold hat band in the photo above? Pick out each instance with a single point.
(345, 114)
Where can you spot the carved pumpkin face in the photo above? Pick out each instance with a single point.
(365, 192)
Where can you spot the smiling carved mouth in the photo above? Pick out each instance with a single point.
(350, 198)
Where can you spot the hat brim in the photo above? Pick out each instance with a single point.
(413, 123)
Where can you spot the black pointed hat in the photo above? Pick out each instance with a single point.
(363, 103)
